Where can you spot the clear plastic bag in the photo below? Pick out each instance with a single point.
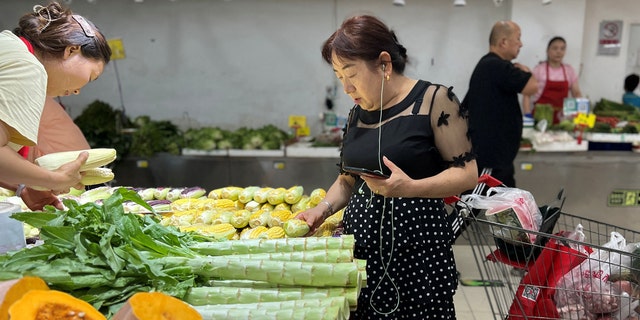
(515, 208)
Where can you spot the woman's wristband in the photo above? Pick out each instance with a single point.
(20, 189)
(329, 207)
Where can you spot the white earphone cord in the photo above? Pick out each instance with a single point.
(384, 207)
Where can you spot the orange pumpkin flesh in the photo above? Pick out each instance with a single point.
(12, 290)
(156, 306)
(50, 305)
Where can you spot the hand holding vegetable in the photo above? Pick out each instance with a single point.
(68, 175)
(314, 216)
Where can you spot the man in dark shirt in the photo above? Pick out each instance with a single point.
(495, 117)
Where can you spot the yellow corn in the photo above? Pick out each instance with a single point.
(246, 194)
(295, 228)
(275, 233)
(260, 196)
(267, 206)
(185, 204)
(97, 158)
(316, 196)
(252, 206)
(240, 219)
(222, 217)
(96, 176)
(293, 194)
(256, 233)
(219, 231)
(278, 217)
(230, 193)
(206, 216)
(259, 218)
(301, 205)
(283, 206)
(224, 204)
(276, 196)
(215, 194)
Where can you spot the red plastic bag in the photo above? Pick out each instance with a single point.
(534, 297)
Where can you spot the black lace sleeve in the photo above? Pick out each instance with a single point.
(450, 127)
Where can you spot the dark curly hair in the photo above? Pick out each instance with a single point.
(52, 28)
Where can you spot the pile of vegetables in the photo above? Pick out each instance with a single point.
(268, 137)
(101, 124)
(102, 255)
(153, 137)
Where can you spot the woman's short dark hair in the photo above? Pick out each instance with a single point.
(52, 28)
(554, 39)
(364, 38)
(631, 82)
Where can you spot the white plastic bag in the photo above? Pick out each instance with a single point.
(513, 207)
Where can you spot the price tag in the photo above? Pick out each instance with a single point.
(297, 121)
(117, 49)
(585, 120)
(303, 131)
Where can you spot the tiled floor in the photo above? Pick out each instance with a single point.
(472, 303)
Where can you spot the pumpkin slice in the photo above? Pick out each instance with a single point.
(156, 306)
(52, 304)
(12, 290)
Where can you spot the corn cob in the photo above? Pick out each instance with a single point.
(275, 233)
(184, 204)
(276, 196)
(206, 216)
(252, 206)
(301, 205)
(240, 218)
(174, 194)
(278, 217)
(222, 217)
(215, 194)
(230, 193)
(161, 193)
(224, 204)
(193, 193)
(295, 228)
(97, 176)
(283, 206)
(259, 218)
(316, 196)
(246, 194)
(258, 232)
(146, 193)
(260, 195)
(293, 194)
(98, 157)
(218, 231)
(267, 206)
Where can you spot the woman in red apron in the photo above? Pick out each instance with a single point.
(555, 79)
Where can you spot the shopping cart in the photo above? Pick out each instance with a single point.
(565, 277)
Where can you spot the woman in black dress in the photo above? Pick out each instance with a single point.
(415, 133)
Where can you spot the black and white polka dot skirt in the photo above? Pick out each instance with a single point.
(411, 272)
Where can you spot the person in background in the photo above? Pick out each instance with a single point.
(52, 52)
(556, 80)
(630, 85)
(495, 117)
(416, 133)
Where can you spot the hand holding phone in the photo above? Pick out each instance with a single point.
(366, 172)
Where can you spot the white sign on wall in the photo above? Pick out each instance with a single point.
(609, 37)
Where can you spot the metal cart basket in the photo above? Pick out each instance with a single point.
(563, 277)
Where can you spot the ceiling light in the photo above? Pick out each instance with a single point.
(399, 3)
(459, 3)
(545, 2)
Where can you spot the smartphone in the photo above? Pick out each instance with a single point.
(366, 172)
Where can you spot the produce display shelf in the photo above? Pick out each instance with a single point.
(312, 152)
(559, 146)
(612, 137)
(195, 152)
(256, 153)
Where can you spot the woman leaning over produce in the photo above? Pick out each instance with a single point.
(52, 52)
(414, 133)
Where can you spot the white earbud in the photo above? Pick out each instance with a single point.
(383, 66)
